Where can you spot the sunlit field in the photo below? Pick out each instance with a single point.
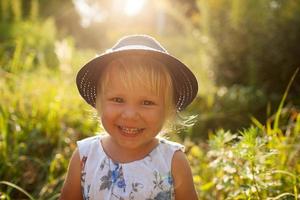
(242, 133)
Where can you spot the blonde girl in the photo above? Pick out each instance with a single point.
(136, 87)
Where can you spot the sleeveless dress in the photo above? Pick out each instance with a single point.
(149, 178)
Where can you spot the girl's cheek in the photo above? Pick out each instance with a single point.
(158, 116)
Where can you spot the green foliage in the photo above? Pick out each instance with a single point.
(39, 126)
(38, 120)
(251, 164)
(17, 10)
(29, 44)
(253, 42)
(26, 42)
(227, 108)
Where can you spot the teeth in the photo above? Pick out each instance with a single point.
(130, 130)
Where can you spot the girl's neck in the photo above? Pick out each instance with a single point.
(120, 154)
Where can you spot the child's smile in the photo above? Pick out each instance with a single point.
(130, 131)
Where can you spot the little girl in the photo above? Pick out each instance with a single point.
(136, 87)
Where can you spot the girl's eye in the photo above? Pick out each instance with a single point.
(148, 103)
(117, 100)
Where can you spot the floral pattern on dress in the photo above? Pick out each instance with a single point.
(164, 184)
(135, 187)
(164, 195)
(113, 177)
(156, 183)
(82, 164)
(83, 175)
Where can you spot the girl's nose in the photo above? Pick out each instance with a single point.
(130, 113)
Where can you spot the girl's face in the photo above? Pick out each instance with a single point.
(132, 117)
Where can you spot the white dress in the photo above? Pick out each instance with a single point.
(146, 179)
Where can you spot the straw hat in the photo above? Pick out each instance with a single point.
(184, 82)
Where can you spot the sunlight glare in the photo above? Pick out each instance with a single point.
(133, 7)
(89, 13)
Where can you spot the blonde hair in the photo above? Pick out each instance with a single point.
(142, 71)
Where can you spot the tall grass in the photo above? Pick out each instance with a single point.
(260, 162)
(40, 119)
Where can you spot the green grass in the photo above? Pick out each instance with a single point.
(42, 116)
(40, 120)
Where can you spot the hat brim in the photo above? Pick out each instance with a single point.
(184, 81)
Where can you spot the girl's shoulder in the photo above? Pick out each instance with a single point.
(88, 141)
(165, 151)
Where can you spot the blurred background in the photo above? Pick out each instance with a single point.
(242, 132)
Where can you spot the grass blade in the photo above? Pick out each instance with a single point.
(17, 188)
(278, 113)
